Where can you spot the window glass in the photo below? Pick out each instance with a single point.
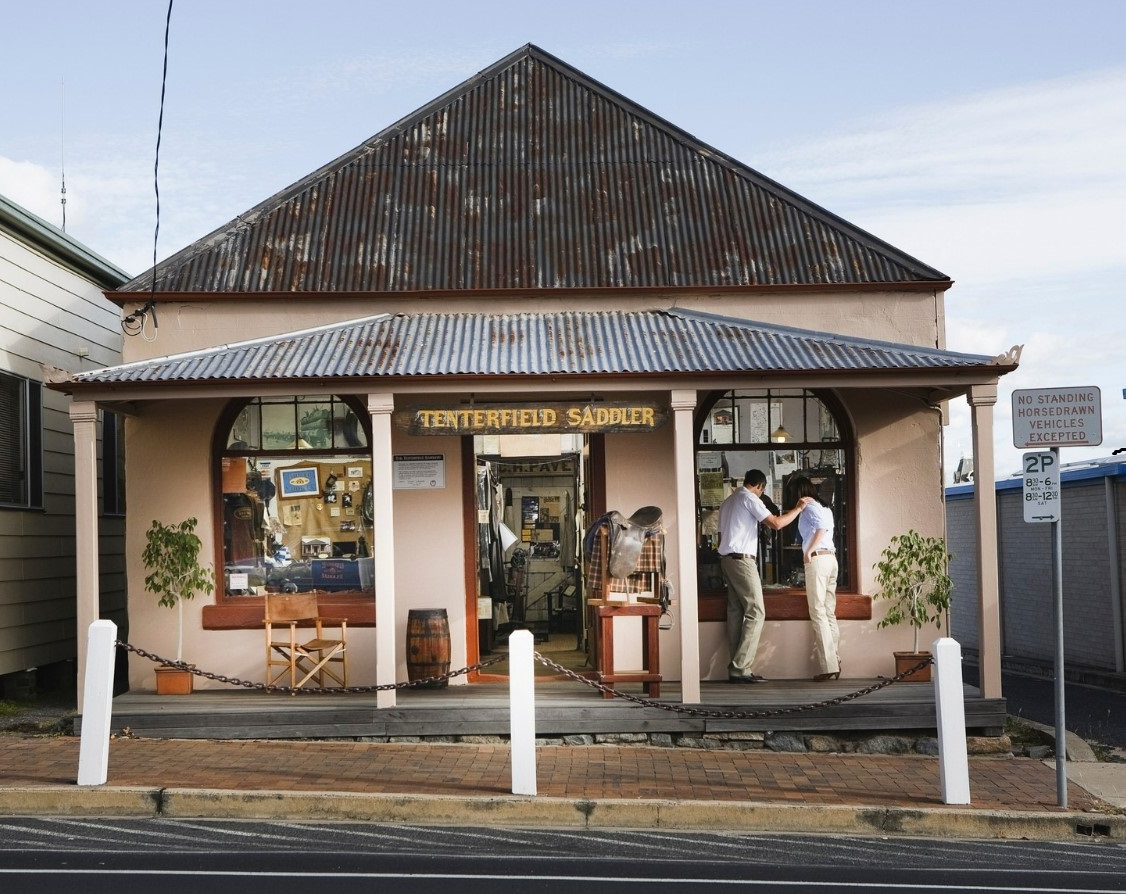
(13, 447)
(785, 434)
(247, 429)
(295, 517)
(21, 458)
(315, 424)
(279, 426)
(113, 463)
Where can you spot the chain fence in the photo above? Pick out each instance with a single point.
(733, 715)
(433, 681)
(420, 683)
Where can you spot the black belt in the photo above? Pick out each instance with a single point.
(736, 556)
(823, 552)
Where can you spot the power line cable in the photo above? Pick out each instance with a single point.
(134, 323)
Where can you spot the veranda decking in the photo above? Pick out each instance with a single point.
(562, 708)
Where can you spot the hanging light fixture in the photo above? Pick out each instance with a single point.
(508, 538)
(780, 435)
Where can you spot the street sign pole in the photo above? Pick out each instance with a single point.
(1042, 492)
(1049, 418)
(1061, 716)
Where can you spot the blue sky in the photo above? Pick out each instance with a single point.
(986, 138)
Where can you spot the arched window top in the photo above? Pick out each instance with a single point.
(762, 416)
(300, 423)
(787, 434)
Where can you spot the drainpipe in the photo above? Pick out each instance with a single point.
(1113, 560)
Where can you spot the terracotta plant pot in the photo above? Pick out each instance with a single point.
(904, 661)
(173, 681)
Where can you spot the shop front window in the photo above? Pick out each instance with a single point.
(296, 492)
(786, 433)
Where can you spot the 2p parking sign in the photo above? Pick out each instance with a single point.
(1041, 487)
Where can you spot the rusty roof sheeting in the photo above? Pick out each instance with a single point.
(658, 342)
(532, 175)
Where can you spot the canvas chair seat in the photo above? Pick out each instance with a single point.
(297, 645)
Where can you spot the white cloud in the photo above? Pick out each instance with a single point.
(1010, 182)
(1018, 195)
(111, 202)
(1069, 128)
(32, 187)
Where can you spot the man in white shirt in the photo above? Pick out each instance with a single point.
(739, 518)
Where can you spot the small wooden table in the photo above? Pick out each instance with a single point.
(650, 647)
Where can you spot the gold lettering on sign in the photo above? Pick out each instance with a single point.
(622, 416)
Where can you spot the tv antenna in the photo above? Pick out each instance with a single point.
(62, 147)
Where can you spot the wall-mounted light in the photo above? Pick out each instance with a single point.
(508, 538)
(780, 435)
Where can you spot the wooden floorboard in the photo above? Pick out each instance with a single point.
(564, 708)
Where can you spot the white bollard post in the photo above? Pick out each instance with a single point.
(950, 706)
(522, 711)
(97, 702)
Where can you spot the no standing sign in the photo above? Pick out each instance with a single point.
(1049, 418)
(1057, 417)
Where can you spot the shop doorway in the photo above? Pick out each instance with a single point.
(531, 519)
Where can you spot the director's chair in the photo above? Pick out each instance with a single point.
(289, 618)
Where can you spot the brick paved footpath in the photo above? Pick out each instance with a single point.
(590, 771)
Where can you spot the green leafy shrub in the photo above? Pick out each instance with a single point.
(913, 574)
(171, 557)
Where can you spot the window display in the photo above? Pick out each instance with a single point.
(295, 483)
(786, 434)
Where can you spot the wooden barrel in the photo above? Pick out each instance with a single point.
(428, 645)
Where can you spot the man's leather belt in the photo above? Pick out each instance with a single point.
(736, 556)
(823, 552)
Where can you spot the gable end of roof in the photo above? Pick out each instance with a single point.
(532, 175)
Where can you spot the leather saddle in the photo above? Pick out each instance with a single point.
(627, 537)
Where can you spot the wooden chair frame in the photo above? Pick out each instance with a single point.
(289, 616)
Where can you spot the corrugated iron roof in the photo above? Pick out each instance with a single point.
(558, 344)
(532, 175)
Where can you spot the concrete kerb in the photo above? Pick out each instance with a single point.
(561, 813)
(100, 800)
(1076, 748)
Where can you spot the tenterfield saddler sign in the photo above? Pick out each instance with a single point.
(538, 418)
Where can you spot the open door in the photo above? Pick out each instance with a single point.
(530, 524)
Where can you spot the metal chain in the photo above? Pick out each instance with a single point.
(567, 672)
(729, 715)
(310, 690)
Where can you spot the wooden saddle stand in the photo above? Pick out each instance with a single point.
(625, 576)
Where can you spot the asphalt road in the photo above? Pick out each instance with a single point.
(172, 856)
(1093, 713)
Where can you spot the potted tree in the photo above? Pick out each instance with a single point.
(171, 557)
(913, 574)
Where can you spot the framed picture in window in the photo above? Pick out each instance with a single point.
(299, 482)
(724, 422)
